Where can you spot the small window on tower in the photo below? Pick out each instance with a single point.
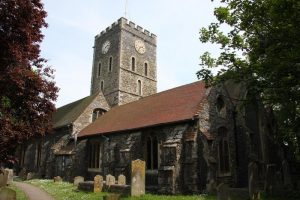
(146, 69)
(133, 63)
(102, 86)
(99, 69)
(139, 87)
(110, 64)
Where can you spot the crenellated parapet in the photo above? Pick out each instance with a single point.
(130, 26)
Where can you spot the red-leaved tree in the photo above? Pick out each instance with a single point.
(27, 88)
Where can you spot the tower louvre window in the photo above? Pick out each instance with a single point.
(102, 85)
(110, 64)
(99, 69)
(133, 63)
(139, 87)
(146, 69)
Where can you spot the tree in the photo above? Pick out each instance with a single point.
(27, 88)
(261, 49)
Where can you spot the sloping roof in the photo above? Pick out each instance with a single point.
(175, 105)
(70, 112)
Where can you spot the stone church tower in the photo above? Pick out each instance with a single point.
(124, 63)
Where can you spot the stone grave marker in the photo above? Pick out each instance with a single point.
(253, 176)
(22, 174)
(30, 176)
(3, 177)
(78, 179)
(121, 179)
(110, 180)
(137, 178)
(98, 183)
(10, 176)
(57, 179)
(7, 194)
(287, 180)
(270, 178)
(223, 192)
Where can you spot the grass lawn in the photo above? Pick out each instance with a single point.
(64, 191)
(20, 194)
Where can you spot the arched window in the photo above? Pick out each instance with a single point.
(99, 69)
(223, 151)
(102, 85)
(139, 87)
(133, 63)
(152, 153)
(97, 113)
(110, 64)
(146, 69)
(221, 107)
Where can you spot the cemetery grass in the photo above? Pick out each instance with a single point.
(20, 194)
(64, 190)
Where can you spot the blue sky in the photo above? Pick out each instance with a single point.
(73, 25)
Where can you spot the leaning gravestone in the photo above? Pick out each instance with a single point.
(253, 181)
(223, 192)
(57, 179)
(98, 183)
(10, 176)
(30, 176)
(3, 177)
(137, 178)
(121, 180)
(110, 180)
(78, 179)
(7, 194)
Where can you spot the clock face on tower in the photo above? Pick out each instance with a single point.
(140, 46)
(105, 47)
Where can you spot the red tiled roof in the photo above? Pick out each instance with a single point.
(174, 105)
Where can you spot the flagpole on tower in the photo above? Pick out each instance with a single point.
(125, 13)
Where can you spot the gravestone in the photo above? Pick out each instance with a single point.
(30, 176)
(110, 180)
(7, 194)
(22, 174)
(287, 180)
(112, 196)
(78, 179)
(98, 183)
(121, 179)
(253, 179)
(10, 176)
(223, 192)
(3, 177)
(57, 179)
(270, 178)
(137, 178)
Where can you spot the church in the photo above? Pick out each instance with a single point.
(191, 137)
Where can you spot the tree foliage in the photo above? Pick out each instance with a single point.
(261, 49)
(27, 89)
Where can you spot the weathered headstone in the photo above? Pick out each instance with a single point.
(7, 194)
(3, 177)
(137, 178)
(223, 192)
(30, 176)
(10, 176)
(253, 176)
(98, 183)
(121, 179)
(287, 180)
(22, 174)
(112, 196)
(78, 179)
(110, 180)
(57, 179)
(270, 178)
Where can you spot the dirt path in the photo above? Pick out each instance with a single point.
(32, 192)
